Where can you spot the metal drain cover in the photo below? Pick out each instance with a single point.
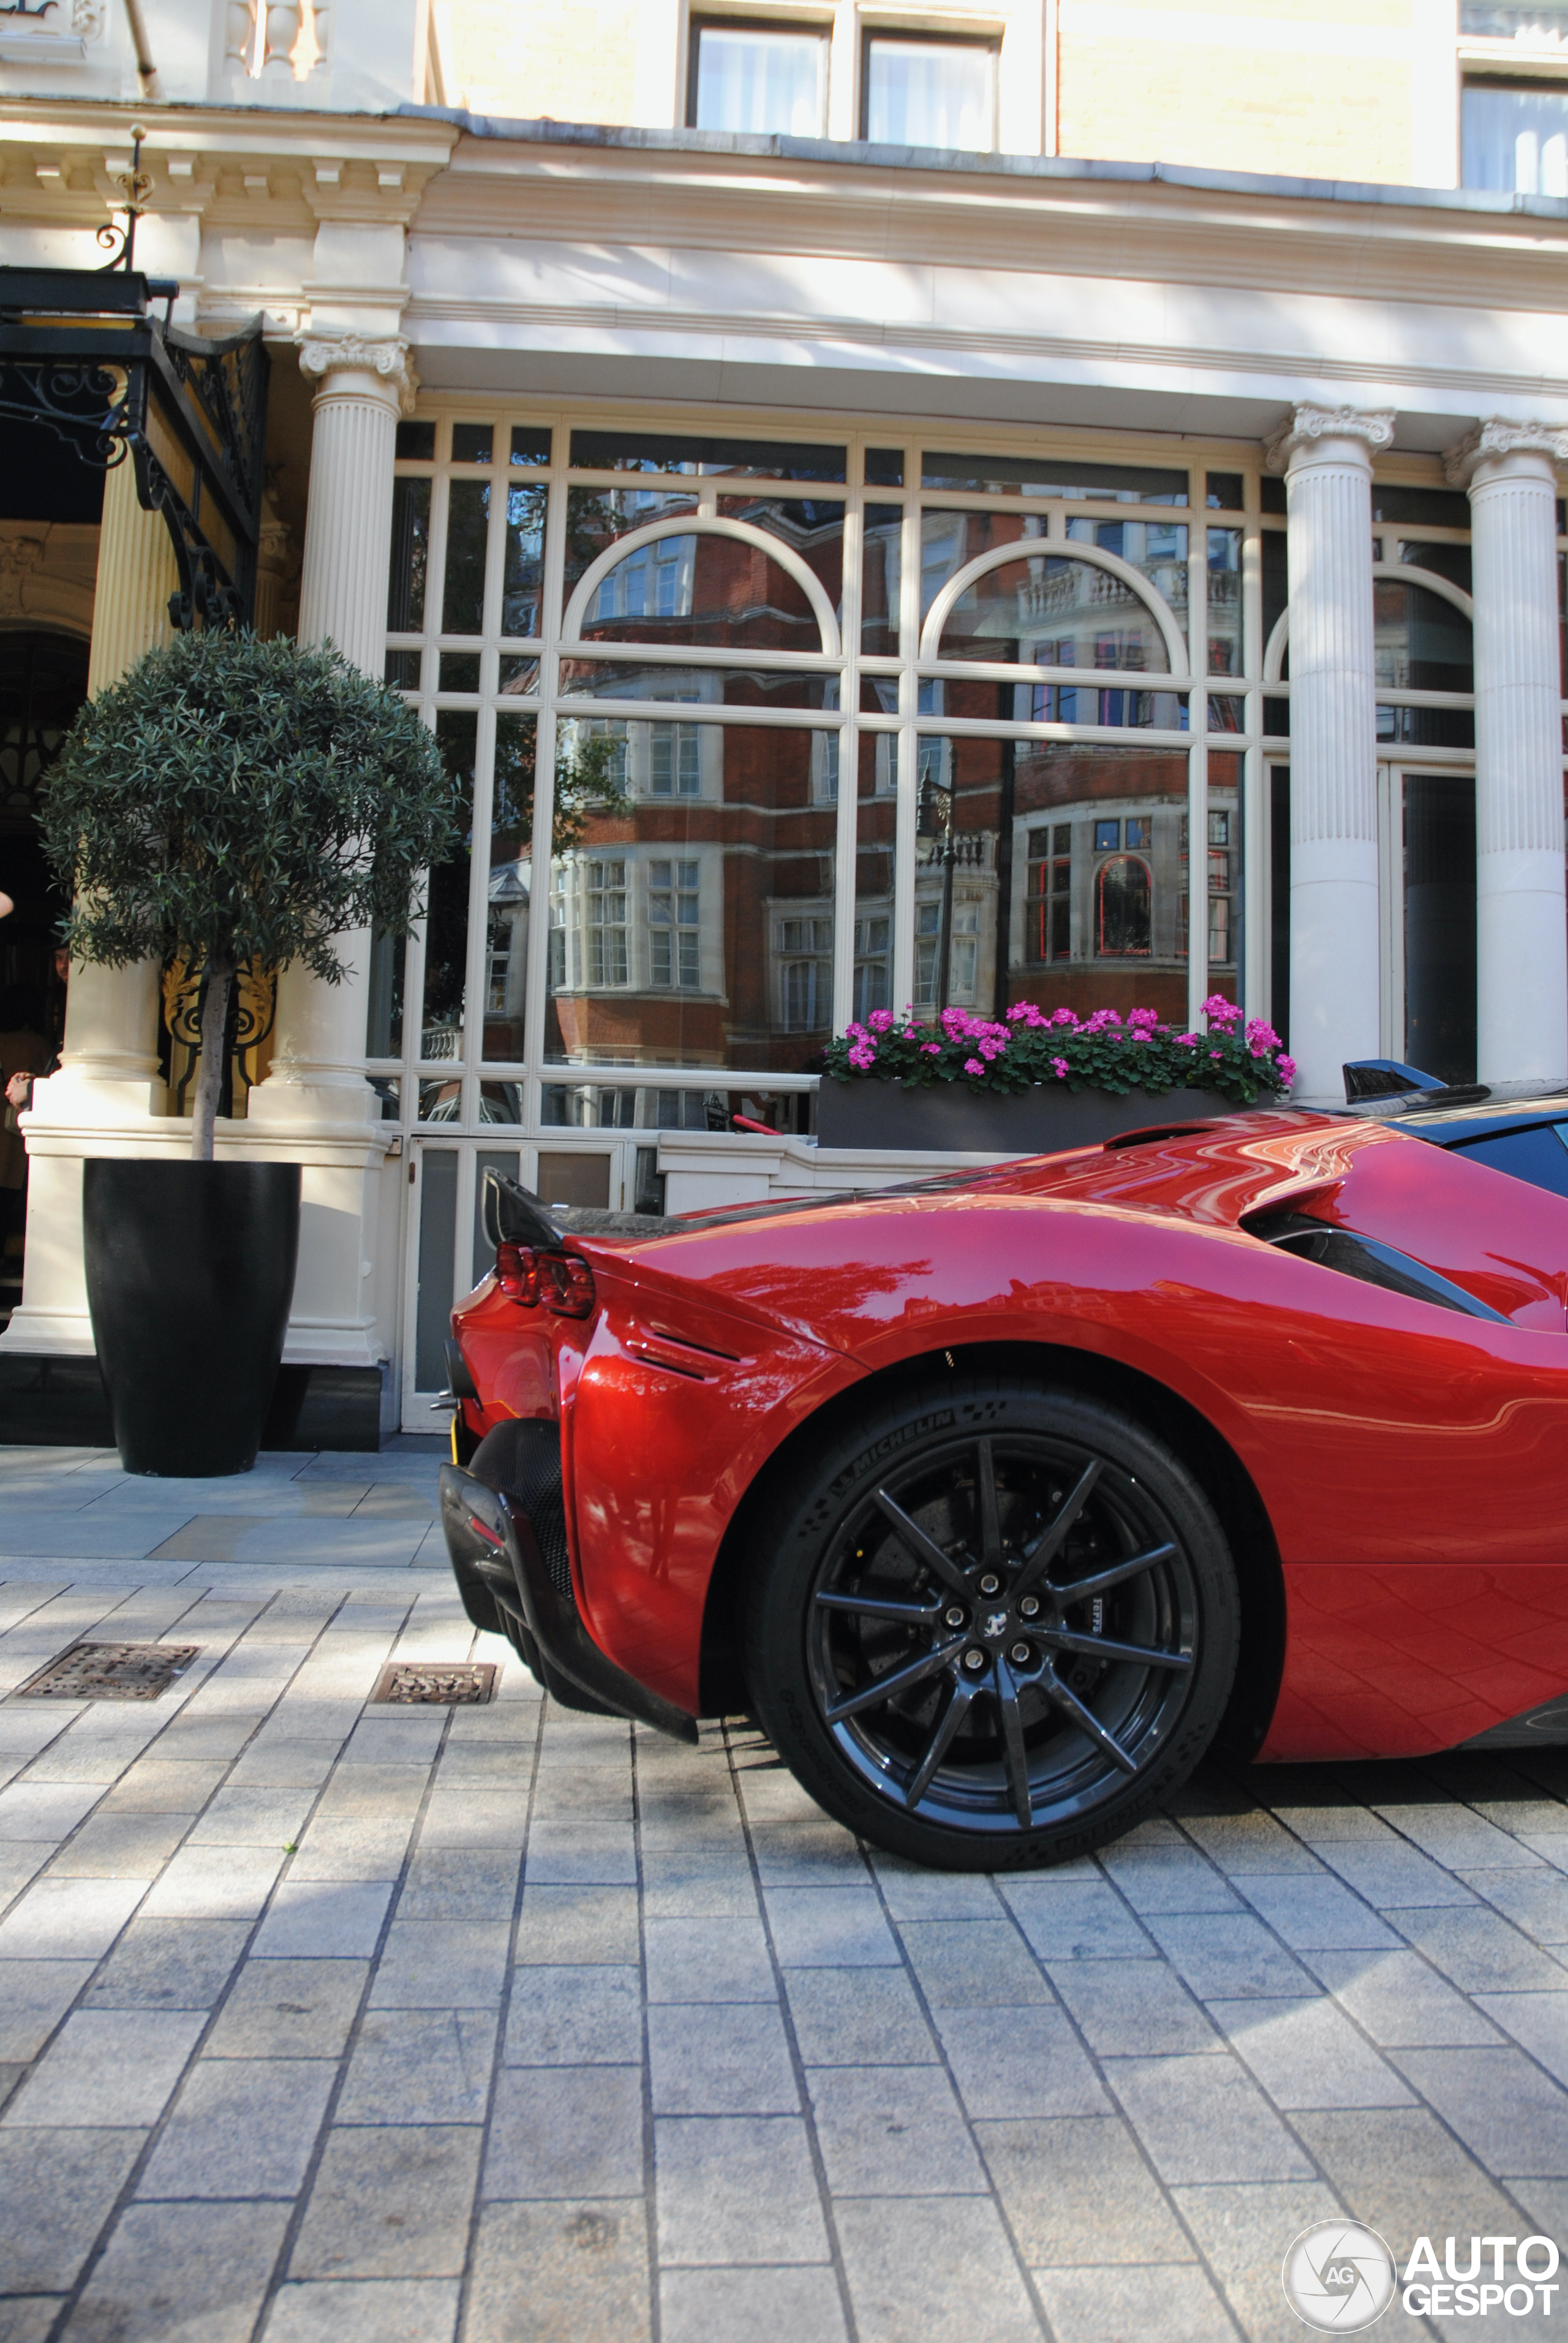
(437, 1687)
(110, 1672)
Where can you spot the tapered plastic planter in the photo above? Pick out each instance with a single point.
(950, 1116)
(190, 1273)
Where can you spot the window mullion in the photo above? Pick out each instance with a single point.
(476, 978)
(849, 738)
(907, 779)
(1197, 772)
(541, 867)
(1257, 845)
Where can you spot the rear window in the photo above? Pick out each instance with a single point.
(1538, 1155)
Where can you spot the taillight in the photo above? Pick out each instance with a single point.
(561, 1281)
(518, 1274)
(569, 1288)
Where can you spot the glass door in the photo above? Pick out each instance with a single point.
(1438, 921)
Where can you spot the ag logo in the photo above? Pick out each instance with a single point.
(1339, 2277)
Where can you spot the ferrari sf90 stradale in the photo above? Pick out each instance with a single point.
(998, 1499)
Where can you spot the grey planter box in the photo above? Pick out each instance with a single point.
(949, 1116)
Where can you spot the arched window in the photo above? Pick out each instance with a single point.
(1422, 642)
(1052, 610)
(1123, 908)
(712, 589)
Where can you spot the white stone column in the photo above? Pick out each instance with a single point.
(315, 1105)
(1520, 941)
(272, 572)
(317, 1071)
(108, 1098)
(1326, 457)
(112, 1013)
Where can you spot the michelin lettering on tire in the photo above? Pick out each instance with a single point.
(1339, 2278)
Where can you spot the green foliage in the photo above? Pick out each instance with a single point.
(1243, 1061)
(585, 784)
(233, 801)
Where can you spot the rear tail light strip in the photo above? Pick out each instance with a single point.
(561, 1281)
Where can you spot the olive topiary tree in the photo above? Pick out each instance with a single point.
(231, 800)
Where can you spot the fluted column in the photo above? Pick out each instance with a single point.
(271, 572)
(364, 388)
(108, 1098)
(112, 1013)
(1326, 457)
(318, 1063)
(1521, 951)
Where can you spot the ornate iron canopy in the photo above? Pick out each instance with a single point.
(83, 355)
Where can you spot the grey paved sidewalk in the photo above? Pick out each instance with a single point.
(326, 2021)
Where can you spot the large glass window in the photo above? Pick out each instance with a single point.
(1051, 874)
(766, 804)
(930, 93)
(1516, 136)
(692, 919)
(1422, 644)
(771, 794)
(760, 77)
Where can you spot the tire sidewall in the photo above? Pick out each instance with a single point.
(839, 1477)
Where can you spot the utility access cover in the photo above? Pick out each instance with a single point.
(437, 1687)
(110, 1672)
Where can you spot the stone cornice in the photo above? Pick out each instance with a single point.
(81, 125)
(1494, 438)
(1309, 425)
(321, 354)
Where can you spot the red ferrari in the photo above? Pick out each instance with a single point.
(998, 1498)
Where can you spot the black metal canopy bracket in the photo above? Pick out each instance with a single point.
(81, 353)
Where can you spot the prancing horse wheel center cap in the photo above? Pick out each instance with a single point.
(995, 1624)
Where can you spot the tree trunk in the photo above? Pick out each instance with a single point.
(209, 1072)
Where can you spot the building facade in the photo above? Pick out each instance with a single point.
(953, 505)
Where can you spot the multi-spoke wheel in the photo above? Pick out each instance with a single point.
(999, 1624)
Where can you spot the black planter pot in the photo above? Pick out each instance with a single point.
(190, 1274)
(949, 1116)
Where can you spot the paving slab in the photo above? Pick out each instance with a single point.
(323, 2021)
(183, 2274)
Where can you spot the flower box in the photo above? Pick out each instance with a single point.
(950, 1116)
(1031, 1083)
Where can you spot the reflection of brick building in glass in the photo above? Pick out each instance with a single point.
(692, 924)
(1088, 848)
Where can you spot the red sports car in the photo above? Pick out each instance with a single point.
(996, 1499)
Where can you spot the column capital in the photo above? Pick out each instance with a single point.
(322, 355)
(1488, 442)
(1308, 424)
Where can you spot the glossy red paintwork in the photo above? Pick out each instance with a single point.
(1411, 1459)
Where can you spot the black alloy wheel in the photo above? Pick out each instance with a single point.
(998, 1624)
